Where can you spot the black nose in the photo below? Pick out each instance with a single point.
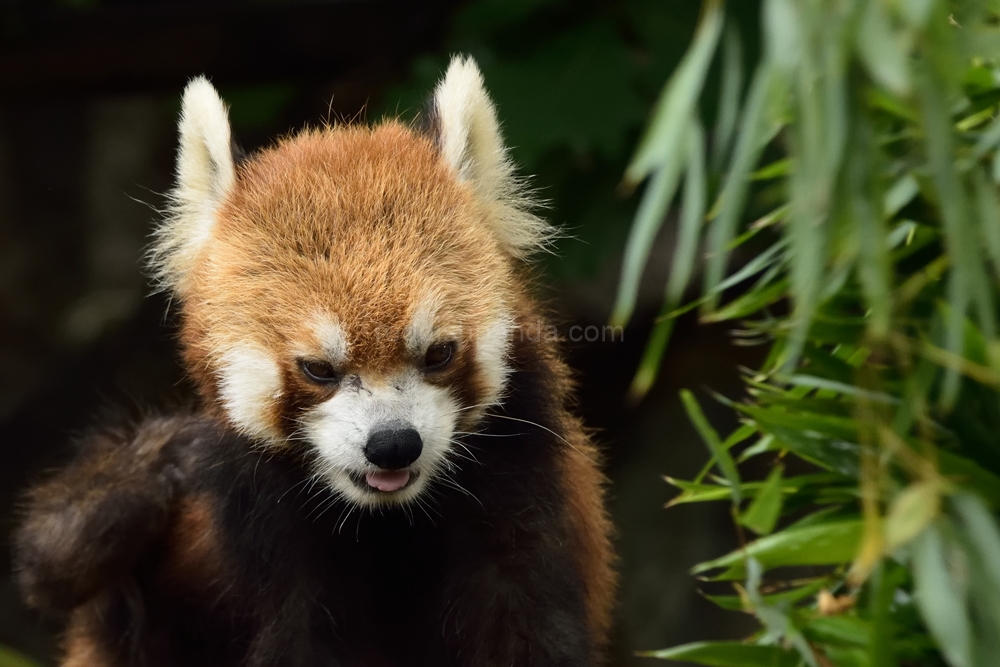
(394, 448)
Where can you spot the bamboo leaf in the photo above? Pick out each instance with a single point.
(697, 493)
(778, 624)
(978, 118)
(692, 213)
(971, 475)
(884, 51)
(826, 515)
(916, 12)
(959, 364)
(988, 140)
(815, 484)
(656, 345)
(981, 532)
(838, 630)
(884, 581)
(736, 603)
(903, 234)
(676, 105)
(847, 657)
(809, 422)
(941, 598)
(879, 99)
(899, 195)
(765, 260)
(727, 654)
(783, 31)
(829, 443)
(767, 443)
(841, 331)
(842, 388)
(776, 169)
(736, 437)
(729, 96)
(811, 188)
(911, 512)
(988, 207)
(978, 528)
(660, 153)
(751, 302)
(825, 544)
(753, 136)
(873, 259)
(765, 510)
(648, 220)
(711, 439)
(955, 214)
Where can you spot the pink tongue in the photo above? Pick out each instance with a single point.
(388, 480)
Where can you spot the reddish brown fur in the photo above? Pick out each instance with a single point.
(195, 555)
(362, 227)
(391, 226)
(584, 486)
(79, 646)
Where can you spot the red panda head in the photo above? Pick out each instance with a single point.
(351, 289)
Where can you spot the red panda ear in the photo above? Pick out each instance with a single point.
(205, 173)
(468, 136)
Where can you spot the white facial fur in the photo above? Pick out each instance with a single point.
(339, 429)
(331, 339)
(492, 348)
(421, 333)
(249, 385)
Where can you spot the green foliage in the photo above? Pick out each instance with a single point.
(255, 107)
(573, 81)
(10, 658)
(728, 654)
(868, 137)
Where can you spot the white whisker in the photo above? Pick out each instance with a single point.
(545, 428)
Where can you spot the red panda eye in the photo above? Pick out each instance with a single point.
(438, 356)
(319, 372)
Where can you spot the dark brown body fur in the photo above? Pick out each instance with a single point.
(177, 543)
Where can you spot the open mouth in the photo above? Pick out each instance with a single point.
(384, 481)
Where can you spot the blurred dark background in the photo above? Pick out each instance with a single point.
(89, 93)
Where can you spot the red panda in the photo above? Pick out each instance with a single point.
(384, 469)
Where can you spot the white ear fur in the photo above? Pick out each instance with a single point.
(470, 142)
(205, 173)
